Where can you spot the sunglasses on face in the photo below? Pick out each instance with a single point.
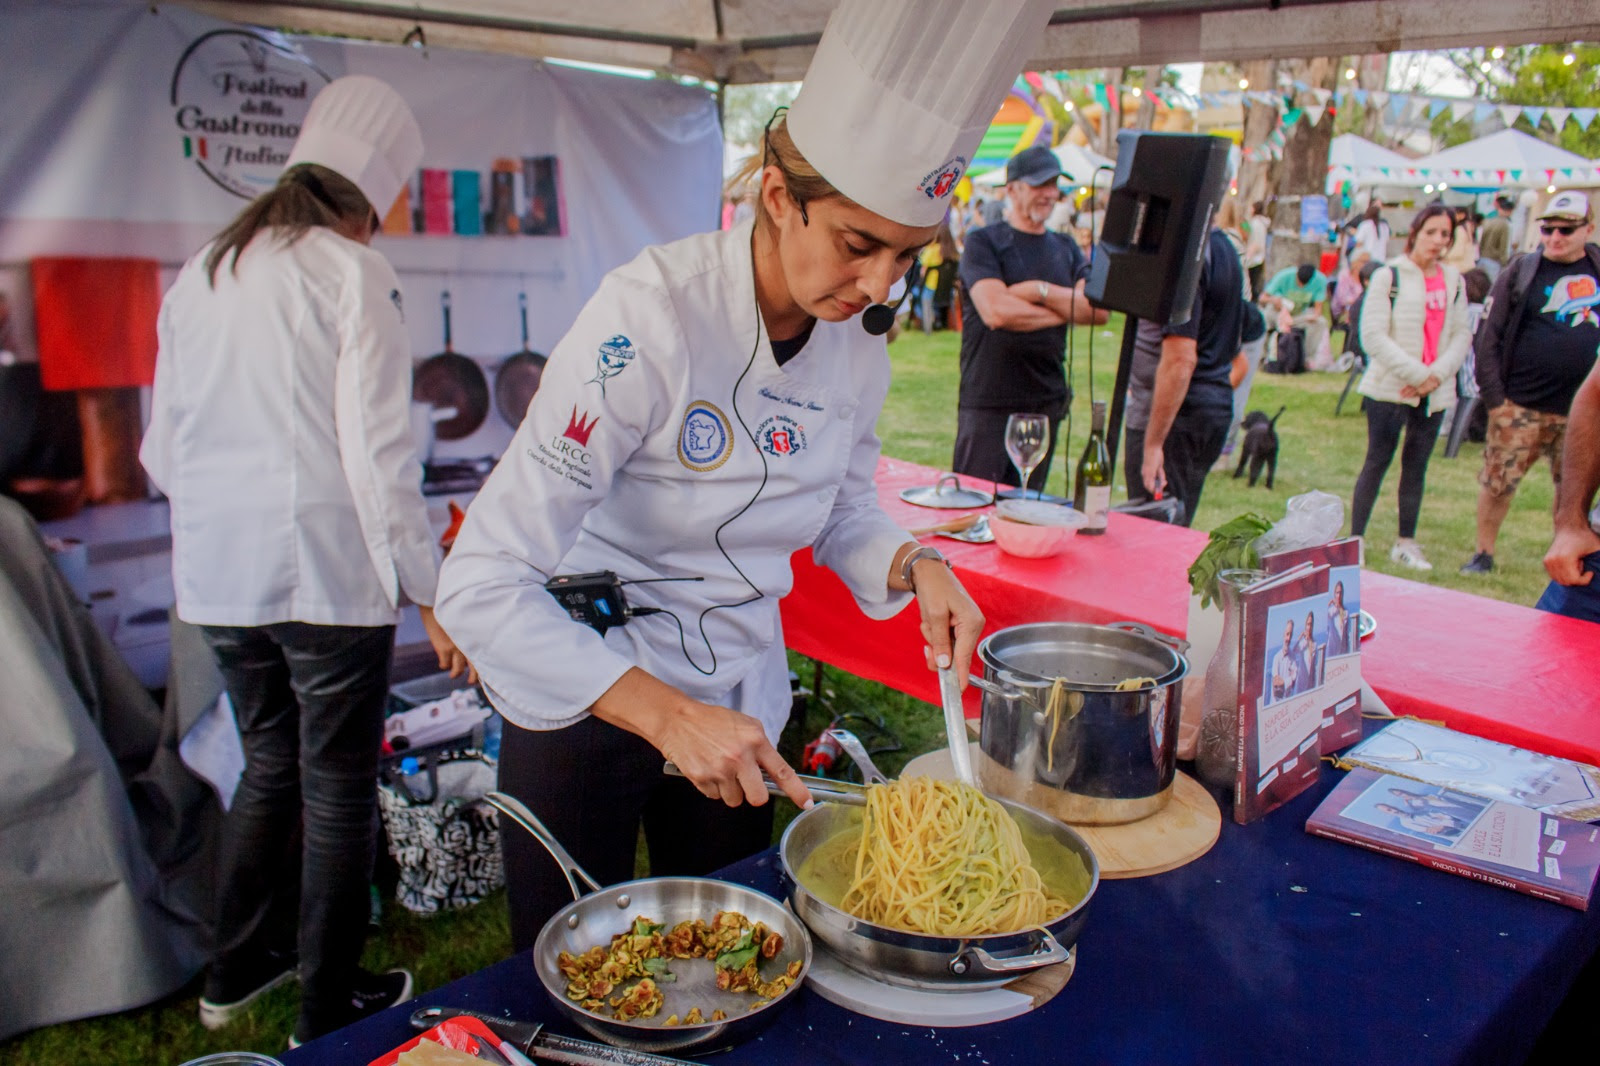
(1565, 231)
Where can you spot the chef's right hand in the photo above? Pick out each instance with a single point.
(722, 752)
(451, 658)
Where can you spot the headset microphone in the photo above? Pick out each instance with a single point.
(879, 318)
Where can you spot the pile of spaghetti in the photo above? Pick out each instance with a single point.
(940, 857)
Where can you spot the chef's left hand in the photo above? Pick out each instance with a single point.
(951, 622)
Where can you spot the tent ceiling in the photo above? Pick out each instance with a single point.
(743, 41)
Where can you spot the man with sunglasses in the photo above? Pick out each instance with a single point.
(1534, 348)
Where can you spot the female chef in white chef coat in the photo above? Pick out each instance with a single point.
(711, 411)
(279, 429)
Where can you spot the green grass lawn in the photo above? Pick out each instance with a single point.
(1318, 451)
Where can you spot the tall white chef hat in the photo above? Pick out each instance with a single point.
(899, 94)
(359, 128)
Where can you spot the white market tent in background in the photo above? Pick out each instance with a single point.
(1509, 158)
(1078, 164)
(744, 41)
(1356, 159)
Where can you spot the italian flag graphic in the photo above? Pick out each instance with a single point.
(194, 146)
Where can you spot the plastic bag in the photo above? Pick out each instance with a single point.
(1313, 518)
(443, 835)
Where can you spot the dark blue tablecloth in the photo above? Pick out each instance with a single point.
(1277, 946)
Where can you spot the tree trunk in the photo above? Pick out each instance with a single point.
(1257, 177)
(1305, 165)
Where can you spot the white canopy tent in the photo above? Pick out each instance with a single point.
(1509, 158)
(744, 41)
(1078, 164)
(1356, 159)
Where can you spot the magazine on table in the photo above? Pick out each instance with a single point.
(1487, 840)
(1335, 635)
(1280, 690)
(1440, 756)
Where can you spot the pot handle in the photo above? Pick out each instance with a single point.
(1177, 644)
(1049, 953)
(514, 809)
(1008, 686)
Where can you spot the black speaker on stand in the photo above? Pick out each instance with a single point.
(1147, 265)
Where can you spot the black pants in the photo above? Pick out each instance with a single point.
(1192, 446)
(592, 785)
(309, 701)
(1384, 423)
(980, 449)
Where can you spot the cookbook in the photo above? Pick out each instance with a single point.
(1487, 840)
(1334, 664)
(1438, 756)
(1280, 697)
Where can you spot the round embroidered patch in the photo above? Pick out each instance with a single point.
(706, 438)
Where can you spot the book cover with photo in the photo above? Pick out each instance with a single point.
(1335, 634)
(1440, 756)
(1280, 690)
(1487, 840)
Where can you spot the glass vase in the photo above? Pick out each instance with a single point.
(1216, 757)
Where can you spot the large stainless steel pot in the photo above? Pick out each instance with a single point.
(1105, 756)
(592, 920)
(919, 960)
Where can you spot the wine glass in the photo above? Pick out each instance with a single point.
(1027, 436)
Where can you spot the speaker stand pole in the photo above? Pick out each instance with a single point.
(1119, 391)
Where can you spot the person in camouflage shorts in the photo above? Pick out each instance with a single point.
(1517, 437)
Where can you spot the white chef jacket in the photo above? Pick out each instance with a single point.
(280, 430)
(666, 442)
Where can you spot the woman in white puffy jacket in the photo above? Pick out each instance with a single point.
(1414, 329)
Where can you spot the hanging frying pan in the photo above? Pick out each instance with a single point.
(451, 380)
(518, 377)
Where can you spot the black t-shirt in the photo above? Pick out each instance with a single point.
(1216, 324)
(783, 351)
(1560, 331)
(1002, 368)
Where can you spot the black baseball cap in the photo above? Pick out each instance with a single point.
(1036, 166)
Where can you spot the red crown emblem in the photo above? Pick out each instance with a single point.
(579, 427)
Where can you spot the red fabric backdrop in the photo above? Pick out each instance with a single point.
(96, 321)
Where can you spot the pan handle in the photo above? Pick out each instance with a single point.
(444, 301)
(522, 307)
(1049, 953)
(514, 809)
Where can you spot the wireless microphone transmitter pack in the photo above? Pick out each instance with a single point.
(594, 599)
(1165, 190)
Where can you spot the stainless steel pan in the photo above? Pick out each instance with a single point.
(919, 960)
(593, 919)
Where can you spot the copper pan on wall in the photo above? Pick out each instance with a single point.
(451, 380)
(518, 377)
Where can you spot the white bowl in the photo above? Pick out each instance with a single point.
(1032, 541)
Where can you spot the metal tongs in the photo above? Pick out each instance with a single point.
(519, 1040)
(826, 788)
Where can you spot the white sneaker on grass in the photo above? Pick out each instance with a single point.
(1409, 553)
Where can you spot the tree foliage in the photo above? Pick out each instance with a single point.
(1536, 75)
(747, 108)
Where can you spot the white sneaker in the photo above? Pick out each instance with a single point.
(1409, 554)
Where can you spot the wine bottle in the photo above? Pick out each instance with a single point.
(1091, 491)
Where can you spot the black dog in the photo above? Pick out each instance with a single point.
(1260, 446)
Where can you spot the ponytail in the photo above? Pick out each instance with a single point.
(306, 195)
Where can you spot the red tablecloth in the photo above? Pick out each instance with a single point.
(1485, 667)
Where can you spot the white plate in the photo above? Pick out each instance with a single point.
(1041, 513)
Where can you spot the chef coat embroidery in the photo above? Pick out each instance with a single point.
(394, 298)
(706, 438)
(938, 182)
(615, 355)
(781, 435)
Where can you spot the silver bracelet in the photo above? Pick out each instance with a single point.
(913, 557)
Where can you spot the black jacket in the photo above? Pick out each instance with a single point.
(1495, 344)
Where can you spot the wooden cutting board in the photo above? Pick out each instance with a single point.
(1179, 833)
